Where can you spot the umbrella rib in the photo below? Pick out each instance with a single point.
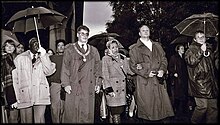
(189, 25)
(212, 25)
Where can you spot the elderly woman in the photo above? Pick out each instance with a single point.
(113, 66)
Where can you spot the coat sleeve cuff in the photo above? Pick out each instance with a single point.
(108, 90)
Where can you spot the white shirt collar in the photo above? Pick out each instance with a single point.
(32, 55)
(80, 45)
(147, 43)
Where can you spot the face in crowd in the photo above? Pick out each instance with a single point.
(34, 45)
(144, 31)
(60, 47)
(83, 34)
(200, 37)
(50, 52)
(113, 47)
(9, 46)
(20, 49)
(180, 49)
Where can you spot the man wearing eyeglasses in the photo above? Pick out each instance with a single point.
(80, 68)
(202, 82)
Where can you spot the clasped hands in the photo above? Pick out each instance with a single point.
(68, 89)
(152, 73)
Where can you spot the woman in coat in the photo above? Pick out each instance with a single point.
(178, 72)
(7, 65)
(113, 65)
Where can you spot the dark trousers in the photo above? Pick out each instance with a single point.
(205, 109)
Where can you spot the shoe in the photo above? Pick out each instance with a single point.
(130, 114)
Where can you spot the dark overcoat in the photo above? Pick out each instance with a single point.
(178, 65)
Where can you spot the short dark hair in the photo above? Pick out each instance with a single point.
(198, 31)
(178, 47)
(60, 40)
(83, 27)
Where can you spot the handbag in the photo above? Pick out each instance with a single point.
(130, 86)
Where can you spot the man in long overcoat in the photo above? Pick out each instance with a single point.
(80, 66)
(148, 61)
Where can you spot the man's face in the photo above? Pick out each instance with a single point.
(83, 36)
(144, 32)
(200, 38)
(34, 46)
(60, 47)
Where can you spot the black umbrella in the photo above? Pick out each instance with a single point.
(99, 41)
(34, 19)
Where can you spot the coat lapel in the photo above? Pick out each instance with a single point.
(117, 66)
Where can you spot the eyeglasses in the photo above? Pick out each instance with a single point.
(84, 34)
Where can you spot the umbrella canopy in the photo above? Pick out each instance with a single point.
(5, 35)
(182, 40)
(23, 21)
(34, 19)
(100, 40)
(206, 22)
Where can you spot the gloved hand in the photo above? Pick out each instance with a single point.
(68, 89)
(42, 51)
(14, 105)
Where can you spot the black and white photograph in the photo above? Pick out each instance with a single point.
(110, 62)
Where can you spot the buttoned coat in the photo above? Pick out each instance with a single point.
(152, 99)
(114, 77)
(30, 82)
(80, 103)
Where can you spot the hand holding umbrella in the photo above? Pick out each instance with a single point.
(34, 19)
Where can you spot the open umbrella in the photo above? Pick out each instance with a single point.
(100, 40)
(34, 19)
(206, 22)
(182, 39)
(5, 35)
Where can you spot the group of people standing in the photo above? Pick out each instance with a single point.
(69, 80)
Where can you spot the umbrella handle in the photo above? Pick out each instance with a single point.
(35, 24)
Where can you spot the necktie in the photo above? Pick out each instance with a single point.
(83, 48)
(34, 58)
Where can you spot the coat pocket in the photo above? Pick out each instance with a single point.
(44, 91)
(24, 95)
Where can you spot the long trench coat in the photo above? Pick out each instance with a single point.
(152, 99)
(30, 82)
(81, 76)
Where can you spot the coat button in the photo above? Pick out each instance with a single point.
(123, 90)
(90, 81)
(123, 80)
(79, 70)
(116, 81)
(116, 90)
